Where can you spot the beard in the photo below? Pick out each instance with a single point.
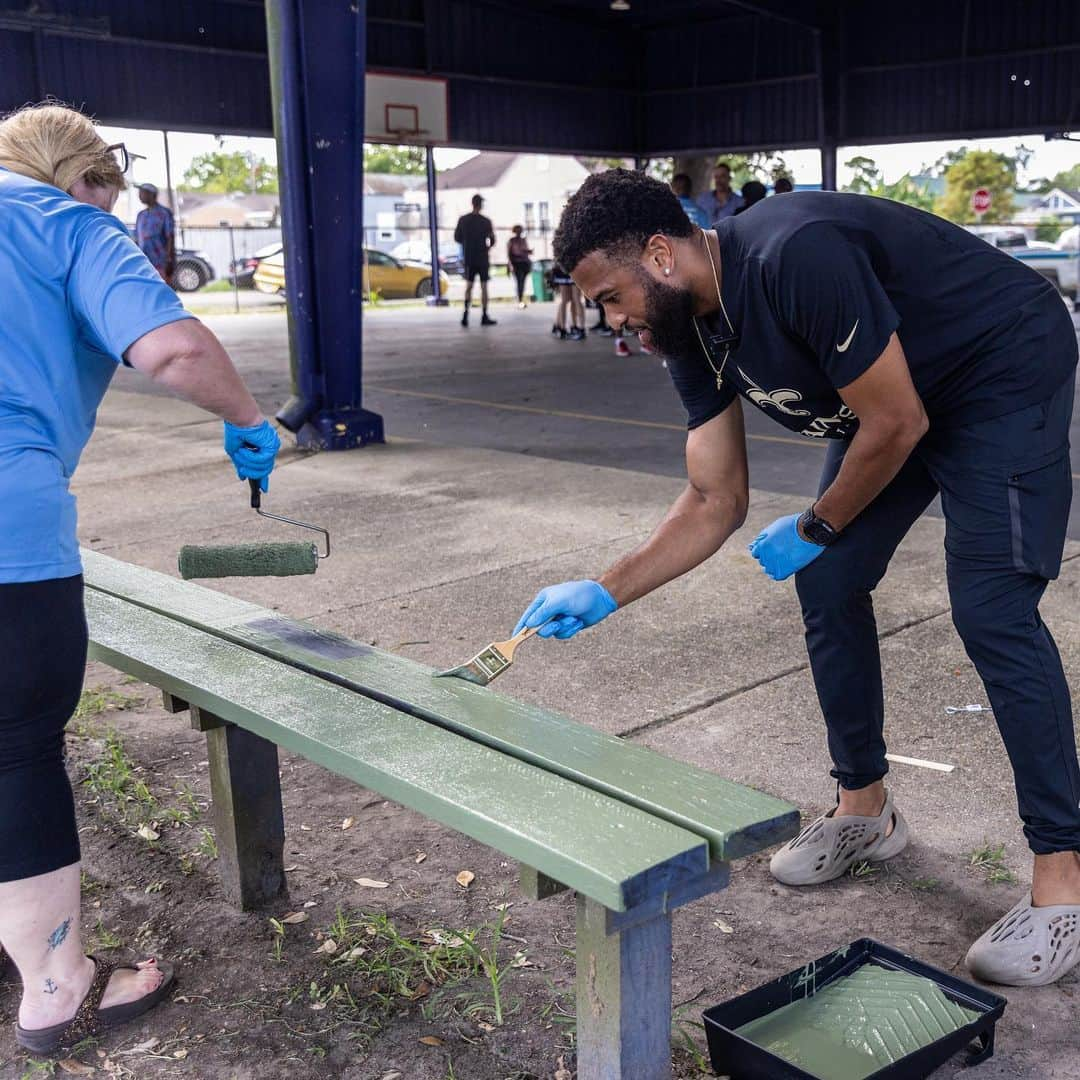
(669, 314)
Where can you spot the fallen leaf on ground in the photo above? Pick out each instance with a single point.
(723, 927)
(328, 946)
(311, 903)
(348, 823)
(421, 856)
(352, 954)
(296, 917)
(371, 883)
(483, 1025)
(521, 960)
(562, 1072)
(76, 1068)
(180, 1054)
(421, 991)
(318, 1006)
(147, 833)
(431, 1040)
(465, 878)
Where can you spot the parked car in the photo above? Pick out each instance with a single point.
(417, 251)
(193, 270)
(242, 271)
(391, 279)
(1056, 262)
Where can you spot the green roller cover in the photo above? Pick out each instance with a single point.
(248, 560)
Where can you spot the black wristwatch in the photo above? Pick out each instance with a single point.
(817, 530)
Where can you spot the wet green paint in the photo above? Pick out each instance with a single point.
(859, 1024)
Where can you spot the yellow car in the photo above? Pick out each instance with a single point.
(391, 278)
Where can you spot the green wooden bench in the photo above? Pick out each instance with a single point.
(633, 833)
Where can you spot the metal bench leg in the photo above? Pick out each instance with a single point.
(248, 817)
(623, 996)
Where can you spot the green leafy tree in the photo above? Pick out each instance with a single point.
(974, 169)
(403, 160)
(1069, 179)
(866, 178)
(221, 173)
(1049, 229)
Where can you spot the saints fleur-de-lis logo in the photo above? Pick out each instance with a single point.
(778, 399)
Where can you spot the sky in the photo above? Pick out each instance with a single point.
(894, 159)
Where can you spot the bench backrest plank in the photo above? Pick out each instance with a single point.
(614, 853)
(734, 819)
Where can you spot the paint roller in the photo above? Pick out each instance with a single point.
(254, 560)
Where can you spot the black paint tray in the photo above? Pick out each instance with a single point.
(737, 1057)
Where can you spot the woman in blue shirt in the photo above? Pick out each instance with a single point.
(77, 298)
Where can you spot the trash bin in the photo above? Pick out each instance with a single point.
(540, 270)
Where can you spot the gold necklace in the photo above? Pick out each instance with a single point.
(717, 371)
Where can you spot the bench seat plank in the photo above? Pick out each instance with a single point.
(734, 819)
(614, 853)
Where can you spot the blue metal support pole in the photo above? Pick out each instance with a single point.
(317, 54)
(436, 299)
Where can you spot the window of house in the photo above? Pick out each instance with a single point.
(530, 222)
(545, 217)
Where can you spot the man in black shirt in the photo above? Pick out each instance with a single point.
(935, 365)
(476, 237)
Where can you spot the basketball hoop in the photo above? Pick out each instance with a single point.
(406, 110)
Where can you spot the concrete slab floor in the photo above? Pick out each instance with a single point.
(437, 548)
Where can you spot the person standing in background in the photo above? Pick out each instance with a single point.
(683, 186)
(517, 257)
(753, 191)
(782, 185)
(476, 236)
(721, 202)
(154, 233)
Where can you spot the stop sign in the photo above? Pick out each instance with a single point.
(980, 201)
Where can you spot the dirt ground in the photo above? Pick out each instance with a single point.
(397, 982)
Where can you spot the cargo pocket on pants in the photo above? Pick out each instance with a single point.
(1039, 500)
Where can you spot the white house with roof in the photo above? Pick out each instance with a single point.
(1057, 202)
(530, 190)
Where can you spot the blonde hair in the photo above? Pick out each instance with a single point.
(56, 144)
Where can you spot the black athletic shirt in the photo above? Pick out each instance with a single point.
(475, 234)
(816, 282)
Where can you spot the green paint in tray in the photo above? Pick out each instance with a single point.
(859, 1024)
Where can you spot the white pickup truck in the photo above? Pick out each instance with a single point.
(1056, 262)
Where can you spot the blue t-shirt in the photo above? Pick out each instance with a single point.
(75, 293)
(816, 283)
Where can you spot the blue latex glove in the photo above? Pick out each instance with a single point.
(253, 450)
(781, 550)
(570, 607)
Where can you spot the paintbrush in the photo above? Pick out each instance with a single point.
(490, 663)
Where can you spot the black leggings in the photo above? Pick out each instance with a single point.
(42, 661)
(521, 273)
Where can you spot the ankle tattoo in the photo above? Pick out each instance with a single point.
(50, 987)
(59, 935)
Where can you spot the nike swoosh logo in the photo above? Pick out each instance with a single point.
(844, 347)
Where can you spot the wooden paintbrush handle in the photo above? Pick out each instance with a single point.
(507, 647)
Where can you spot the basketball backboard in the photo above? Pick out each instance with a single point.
(405, 109)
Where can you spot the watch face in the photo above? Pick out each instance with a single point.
(817, 531)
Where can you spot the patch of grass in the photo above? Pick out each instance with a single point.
(374, 971)
(114, 777)
(990, 858)
(863, 871)
(683, 1040)
(104, 938)
(35, 1068)
(208, 844)
(278, 928)
(93, 703)
(925, 884)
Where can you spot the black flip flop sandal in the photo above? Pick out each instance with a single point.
(90, 1017)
